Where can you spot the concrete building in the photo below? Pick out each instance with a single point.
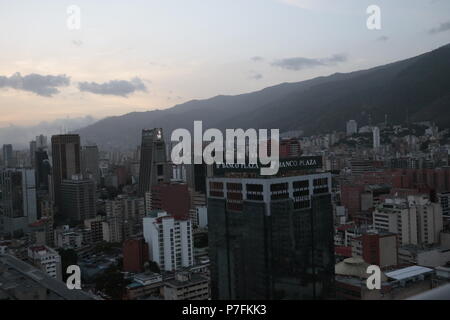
(376, 138)
(154, 168)
(47, 260)
(398, 284)
(174, 198)
(187, 286)
(415, 219)
(352, 127)
(94, 227)
(66, 162)
(78, 199)
(444, 201)
(90, 166)
(68, 239)
(170, 240)
(201, 217)
(123, 218)
(135, 255)
(428, 257)
(376, 248)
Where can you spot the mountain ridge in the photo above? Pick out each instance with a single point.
(417, 86)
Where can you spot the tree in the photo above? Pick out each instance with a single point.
(152, 266)
(112, 283)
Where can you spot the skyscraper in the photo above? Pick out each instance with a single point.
(43, 170)
(33, 149)
(8, 158)
(17, 200)
(376, 138)
(66, 161)
(90, 163)
(78, 199)
(41, 142)
(271, 237)
(154, 167)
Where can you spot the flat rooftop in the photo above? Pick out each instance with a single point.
(409, 272)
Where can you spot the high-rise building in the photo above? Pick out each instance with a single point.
(18, 204)
(154, 168)
(66, 161)
(90, 163)
(78, 199)
(123, 218)
(33, 149)
(41, 142)
(8, 156)
(170, 240)
(271, 237)
(173, 198)
(415, 219)
(376, 138)
(352, 127)
(43, 170)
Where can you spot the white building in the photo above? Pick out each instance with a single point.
(202, 217)
(376, 138)
(68, 239)
(46, 259)
(416, 220)
(352, 127)
(170, 241)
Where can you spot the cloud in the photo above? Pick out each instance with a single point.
(300, 63)
(257, 59)
(120, 88)
(255, 75)
(77, 43)
(383, 38)
(441, 28)
(45, 86)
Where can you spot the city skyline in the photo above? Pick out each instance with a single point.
(112, 65)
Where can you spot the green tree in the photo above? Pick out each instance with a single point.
(112, 283)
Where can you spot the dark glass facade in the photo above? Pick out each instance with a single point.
(271, 250)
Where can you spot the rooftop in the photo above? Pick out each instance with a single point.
(22, 275)
(409, 272)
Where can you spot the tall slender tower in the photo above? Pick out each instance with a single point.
(376, 138)
(66, 161)
(153, 168)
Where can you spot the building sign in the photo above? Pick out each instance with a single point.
(302, 163)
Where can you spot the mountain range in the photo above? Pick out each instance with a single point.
(416, 89)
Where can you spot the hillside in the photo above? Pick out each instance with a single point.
(418, 86)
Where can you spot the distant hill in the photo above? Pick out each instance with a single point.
(418, 87)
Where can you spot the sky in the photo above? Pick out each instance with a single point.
(69, 59)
